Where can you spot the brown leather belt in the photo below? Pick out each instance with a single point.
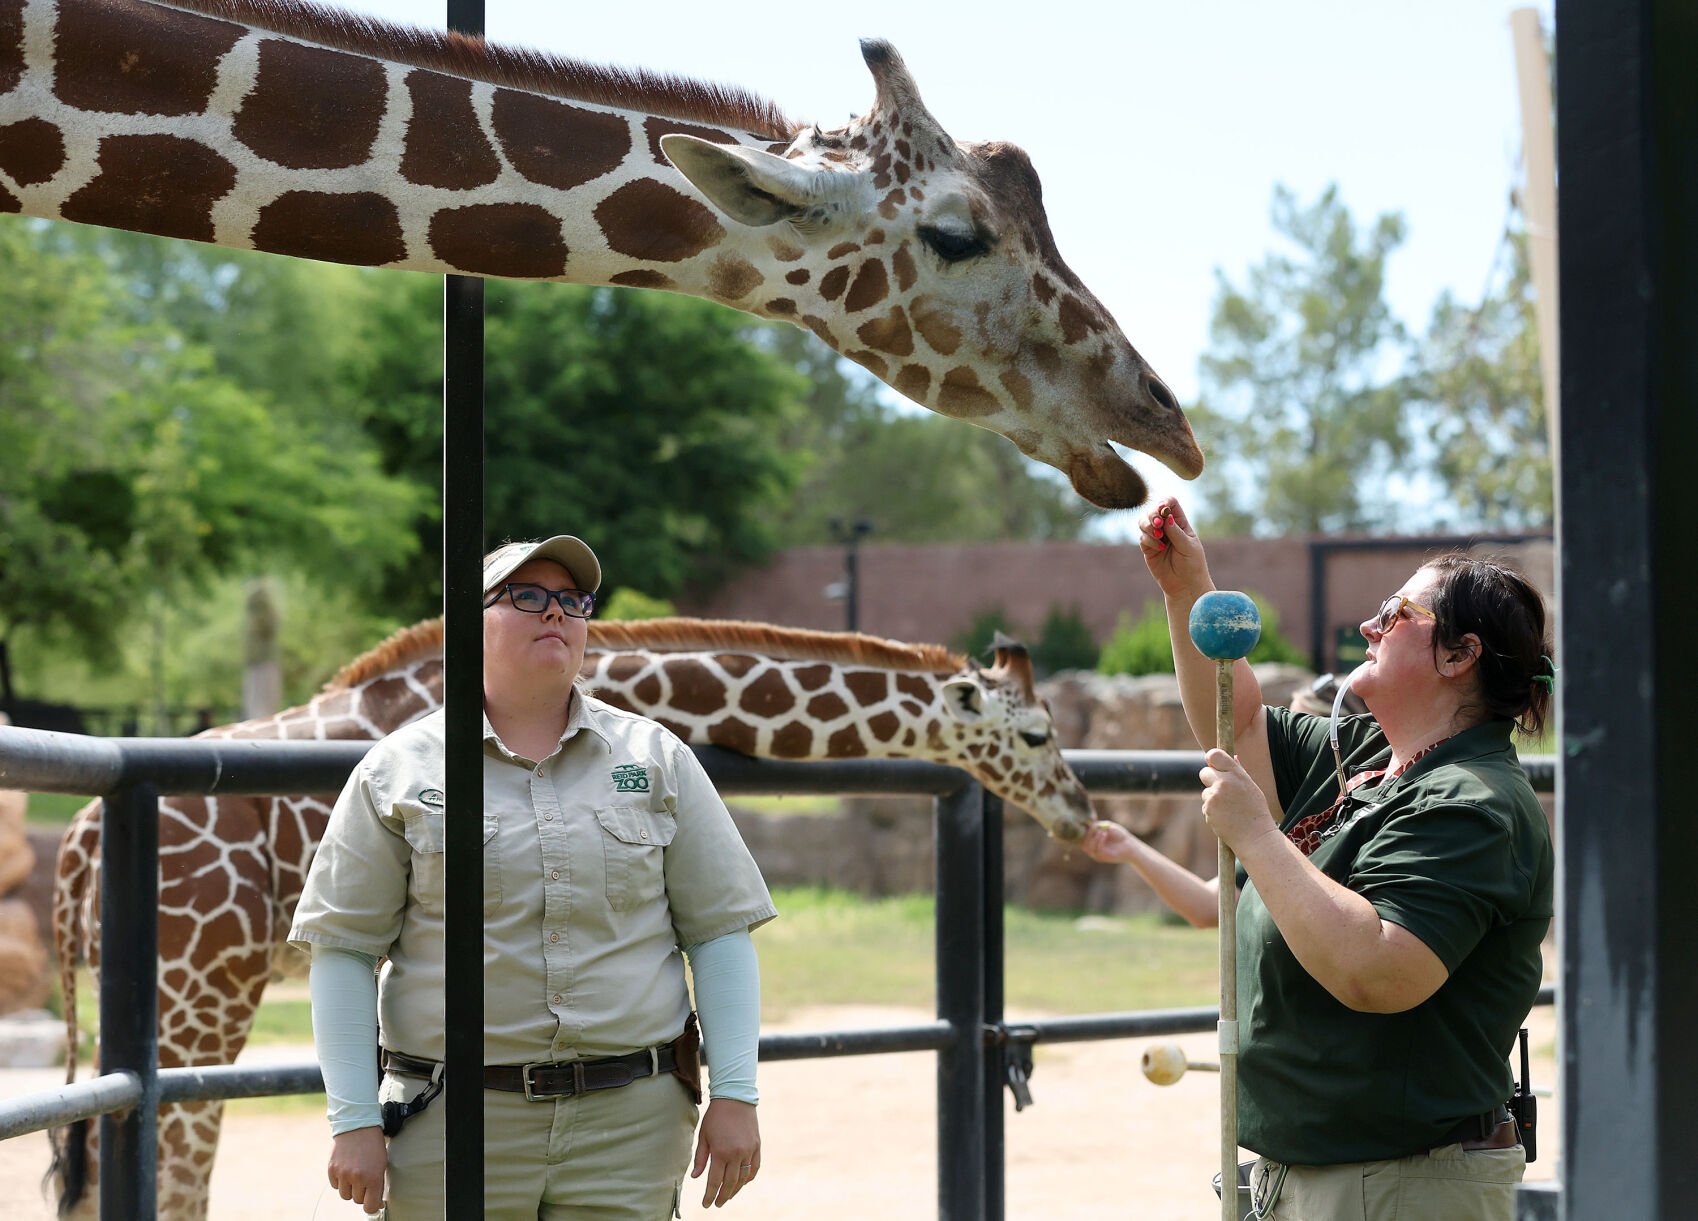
(1495, 1129)
(547, 1079)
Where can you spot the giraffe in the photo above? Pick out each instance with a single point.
(284, 126)
(232, 868)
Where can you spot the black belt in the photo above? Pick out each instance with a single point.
(546, 1079)
(1476, 1127)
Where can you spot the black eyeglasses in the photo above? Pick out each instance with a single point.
(534, 599)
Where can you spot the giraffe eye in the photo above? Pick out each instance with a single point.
(1034, 739)
(952, 246)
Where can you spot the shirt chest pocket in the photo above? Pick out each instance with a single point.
(425, 833)
(634, 839)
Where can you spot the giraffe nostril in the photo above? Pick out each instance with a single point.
(1159, 391)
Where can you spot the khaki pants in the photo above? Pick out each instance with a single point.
(1449, 1183)
(611, 1155)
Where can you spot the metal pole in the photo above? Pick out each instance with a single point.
(1628, 148)
(851, 578)
(961, 958)
(129, 998)
(1538, 163)
(462, 600)
(993, 1052)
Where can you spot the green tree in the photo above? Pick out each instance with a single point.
(917, 477)
(1478, 378)
(136, 472)
(1295, 385)
(647, 422)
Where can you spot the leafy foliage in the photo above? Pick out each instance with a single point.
(628, 604)
(1143, 646)
(1295, 377)
(919, 478)
(1480, 381)
(136, 470)
(1064, 643)
(976, 637)
(1138, 646)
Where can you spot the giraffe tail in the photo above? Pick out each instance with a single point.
(68, 1169)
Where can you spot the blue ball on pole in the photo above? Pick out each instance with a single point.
(1225, 625)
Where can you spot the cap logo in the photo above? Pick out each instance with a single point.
(432, 797)
(630, 778)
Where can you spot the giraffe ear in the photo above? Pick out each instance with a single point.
(747, 184)
(965, 699)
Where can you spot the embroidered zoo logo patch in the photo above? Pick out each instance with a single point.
(432, 798)
(630, 778)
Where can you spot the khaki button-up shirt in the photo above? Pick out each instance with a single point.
(600, 862)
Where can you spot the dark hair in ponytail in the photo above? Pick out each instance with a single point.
(1497, 603)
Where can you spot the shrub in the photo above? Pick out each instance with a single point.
(1064, 643)
(1143, 647)
(629, 603)
(975, 639)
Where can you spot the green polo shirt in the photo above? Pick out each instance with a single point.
(1457, 850)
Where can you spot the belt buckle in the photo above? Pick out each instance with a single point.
(577, 1067)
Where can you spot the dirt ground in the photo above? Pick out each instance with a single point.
(844, 1139)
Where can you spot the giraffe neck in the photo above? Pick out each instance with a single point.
(789, 708)
(152, 118)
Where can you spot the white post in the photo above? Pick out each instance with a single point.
(1538, 201)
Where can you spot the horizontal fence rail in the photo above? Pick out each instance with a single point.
(979, 1054)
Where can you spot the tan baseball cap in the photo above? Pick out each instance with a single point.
(574, 553)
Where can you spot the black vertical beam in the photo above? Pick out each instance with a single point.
(1627, 144)
(960, 923)
(129, 998)
(996, 1147)
(462, 599)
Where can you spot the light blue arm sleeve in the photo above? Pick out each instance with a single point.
(344, 1030)
(728, 1001)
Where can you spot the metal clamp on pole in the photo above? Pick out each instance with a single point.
(1016, 1043)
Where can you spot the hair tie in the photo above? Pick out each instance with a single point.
(1548, 679)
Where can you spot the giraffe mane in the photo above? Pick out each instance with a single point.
(788, 643)
(681, 636)
(675, 97)
(410, 643)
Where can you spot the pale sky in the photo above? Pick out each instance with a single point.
(1159, 128)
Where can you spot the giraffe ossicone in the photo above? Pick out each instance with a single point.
(290, 127)
(232, 868)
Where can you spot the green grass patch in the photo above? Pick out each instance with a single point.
(52, 809)
(832, 947)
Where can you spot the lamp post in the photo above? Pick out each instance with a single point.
(850, 534)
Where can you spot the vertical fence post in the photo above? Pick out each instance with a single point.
(129, 998)
(462, 601)
(994, 1050)
(958, 838)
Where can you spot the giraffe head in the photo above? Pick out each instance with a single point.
(931, 264)
(1011, 746)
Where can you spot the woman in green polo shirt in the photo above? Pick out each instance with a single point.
(1395, 894)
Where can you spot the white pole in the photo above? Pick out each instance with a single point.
(1538, 199)
(1228, 913)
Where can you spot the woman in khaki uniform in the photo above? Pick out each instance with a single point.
(608, 861)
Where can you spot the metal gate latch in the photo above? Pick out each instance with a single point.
(1017, 1062)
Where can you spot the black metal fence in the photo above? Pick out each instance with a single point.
(979, 1053)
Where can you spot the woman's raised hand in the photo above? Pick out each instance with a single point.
(1172, 550)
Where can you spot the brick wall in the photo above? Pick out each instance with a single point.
(932, 592)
